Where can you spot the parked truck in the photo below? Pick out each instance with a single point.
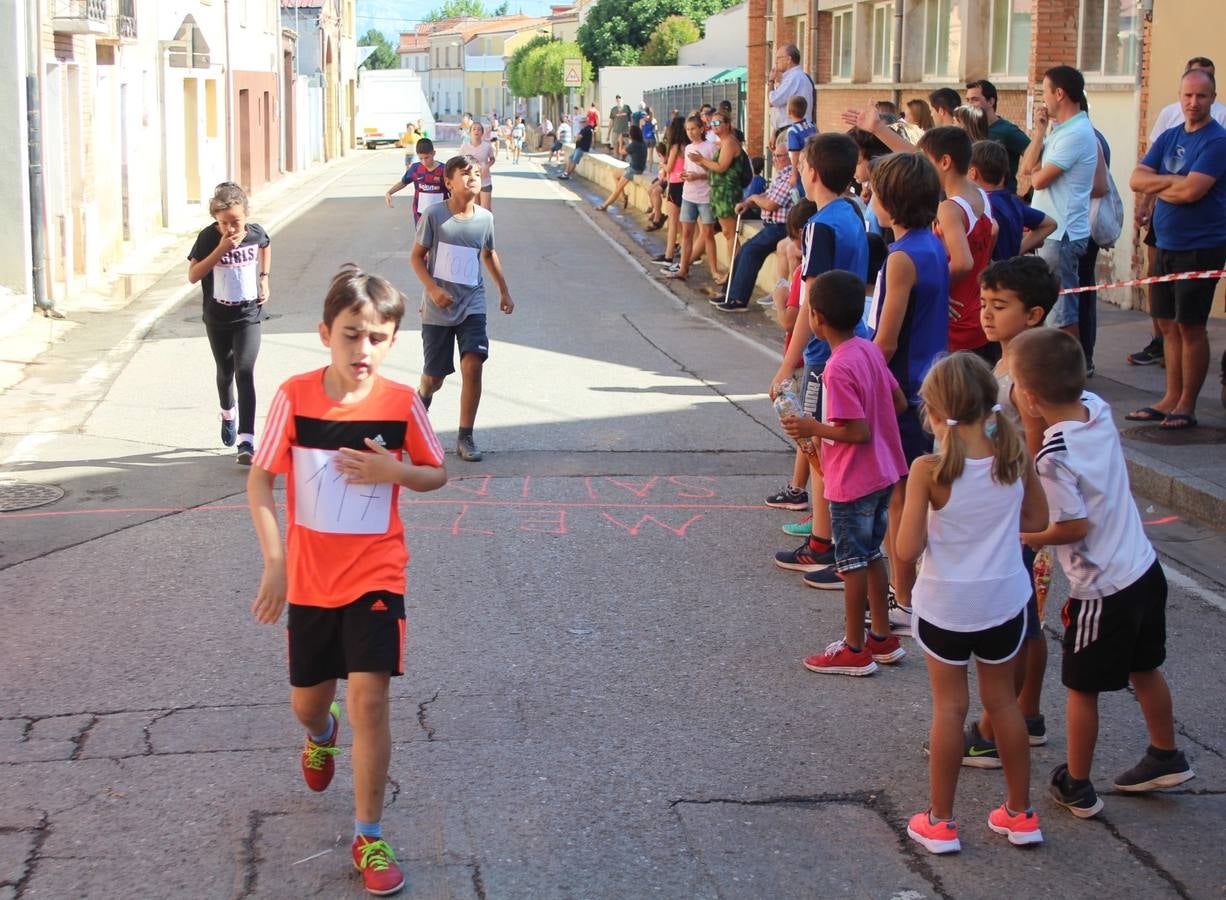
(388, 99)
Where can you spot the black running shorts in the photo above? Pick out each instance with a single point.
(997, 644)
(1108, 638)
(366, 635)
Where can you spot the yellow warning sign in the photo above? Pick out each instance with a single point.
(572, 70)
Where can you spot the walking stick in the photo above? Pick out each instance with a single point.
(736, 236)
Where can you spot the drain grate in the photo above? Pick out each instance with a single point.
(1176, 437)
(15, 495)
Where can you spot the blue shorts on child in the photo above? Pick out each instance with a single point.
(858, 527)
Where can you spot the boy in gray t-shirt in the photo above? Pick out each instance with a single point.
(453, 240)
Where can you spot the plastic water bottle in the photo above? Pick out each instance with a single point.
(788, 404)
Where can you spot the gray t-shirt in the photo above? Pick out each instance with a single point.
(454, 261)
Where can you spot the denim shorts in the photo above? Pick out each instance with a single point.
(577, 155)
(1062, 257)
(692, 212)
(859, 527)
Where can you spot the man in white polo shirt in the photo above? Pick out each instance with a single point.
(1062, 161)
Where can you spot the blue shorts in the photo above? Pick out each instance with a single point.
(811, 391)
(692, 212)
(438, 344)
(577, 155)
(915, 440)
(1062, 257)
(859, 527)
(1034, 626)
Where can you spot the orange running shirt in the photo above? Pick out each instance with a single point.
(343, 540)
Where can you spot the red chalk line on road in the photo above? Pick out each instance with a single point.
(1153, 279)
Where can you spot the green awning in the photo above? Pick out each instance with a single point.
(740, 73)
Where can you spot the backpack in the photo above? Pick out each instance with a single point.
(746, 173)
(1107, 216)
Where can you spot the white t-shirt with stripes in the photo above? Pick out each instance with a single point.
(1082, 470)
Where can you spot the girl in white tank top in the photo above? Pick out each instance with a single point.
(965, 509)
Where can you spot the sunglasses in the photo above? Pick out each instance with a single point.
(717, 122)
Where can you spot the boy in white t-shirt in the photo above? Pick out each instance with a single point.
(1115, 617)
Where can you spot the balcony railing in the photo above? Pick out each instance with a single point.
(80, 16)
(104, 18)
(125, 19)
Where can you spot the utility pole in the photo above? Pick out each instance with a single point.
(43, 302)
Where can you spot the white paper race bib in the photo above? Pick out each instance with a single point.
(459, 265)
(324, 501)
(873, 303)
(425, 200)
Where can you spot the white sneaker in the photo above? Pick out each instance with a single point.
(768, 300)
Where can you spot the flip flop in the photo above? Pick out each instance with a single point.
(1178, 422)
(1146, 414)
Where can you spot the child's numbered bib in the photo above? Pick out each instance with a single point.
(324, 501)
(426, 199)
(459, 265)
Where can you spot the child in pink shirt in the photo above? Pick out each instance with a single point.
(862, 458)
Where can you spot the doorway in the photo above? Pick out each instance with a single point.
(191, 141)
(244, 139)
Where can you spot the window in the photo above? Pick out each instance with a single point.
(1109, 37)
(800, 28)
(840, 45)
(883, 41)
(1010, 36)
(936, 38)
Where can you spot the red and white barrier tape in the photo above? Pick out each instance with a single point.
(1153, 279)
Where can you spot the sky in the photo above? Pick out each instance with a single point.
(393, 16)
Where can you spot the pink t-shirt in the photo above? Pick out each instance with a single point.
(698, 191)
(857, 385)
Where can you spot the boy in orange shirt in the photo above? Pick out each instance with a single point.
(347, 440)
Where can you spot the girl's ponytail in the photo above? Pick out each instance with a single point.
(962, 389)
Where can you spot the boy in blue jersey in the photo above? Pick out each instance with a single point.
(834, 238)
(910, 319)
(799, 130)
(990, 170)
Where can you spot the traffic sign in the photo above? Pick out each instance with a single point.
(572, 72)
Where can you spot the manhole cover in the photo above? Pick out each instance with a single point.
(1176, 437)
(15, 495)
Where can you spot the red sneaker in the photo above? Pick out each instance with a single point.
(377, 863)
(886, 650)
(1021, 828)
(939, 838)
(838, 659)
(318, 760)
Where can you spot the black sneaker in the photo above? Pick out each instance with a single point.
(805, 559)
(824, 579)
(229, 431)
(733, 306)
(1150, 355)
(467, 450)
(1036, 730)
(246, 452)
(1082, 802)
(1151, 773)
(789, 498)
(977, 751)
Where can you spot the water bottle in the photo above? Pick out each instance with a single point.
(787, 404)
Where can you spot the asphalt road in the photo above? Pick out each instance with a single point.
(604, 696)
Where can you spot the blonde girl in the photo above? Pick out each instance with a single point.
(965, 507)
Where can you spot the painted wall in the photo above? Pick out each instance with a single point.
(15, 286)
(723, 44)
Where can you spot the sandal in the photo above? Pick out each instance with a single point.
(1146, 414)
(1178, 422)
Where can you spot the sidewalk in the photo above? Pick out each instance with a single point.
(149, 282)
(1184, 470)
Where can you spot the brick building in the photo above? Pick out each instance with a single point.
(860, 52)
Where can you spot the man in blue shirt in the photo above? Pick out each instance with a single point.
(1063, 164)
(1185, 169)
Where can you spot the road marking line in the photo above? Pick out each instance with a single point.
(1194, 587)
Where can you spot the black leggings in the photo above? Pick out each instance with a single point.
(235, 348)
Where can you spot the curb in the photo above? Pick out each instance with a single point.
(1175, 488)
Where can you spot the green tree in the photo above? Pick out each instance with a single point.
(501, 9)
(616, 31)
(667, 40)
(517, 79)
(456, 8)
(384, 57)
(544, 67)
